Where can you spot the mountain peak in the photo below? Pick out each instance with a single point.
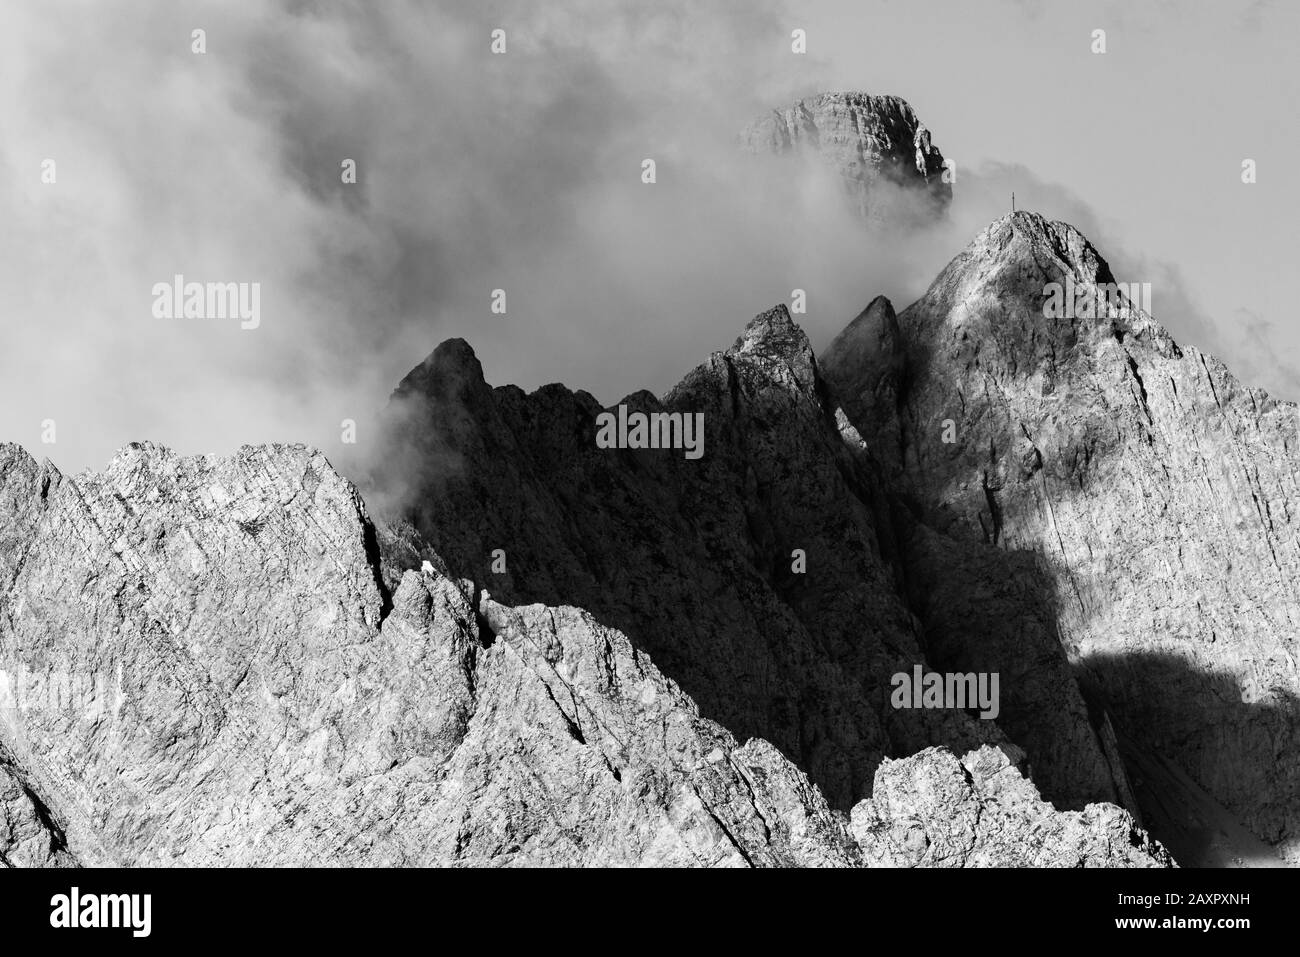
(774, 333)
(871, 343)
(1024, 232)
(891, 170)
(1026, 260)
(1019, 414)
(452, 369)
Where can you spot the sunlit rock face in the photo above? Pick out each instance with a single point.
(1148, 497)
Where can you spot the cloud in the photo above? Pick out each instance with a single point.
(474, 172)
(1255, 356)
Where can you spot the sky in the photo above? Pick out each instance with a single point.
(521, 171)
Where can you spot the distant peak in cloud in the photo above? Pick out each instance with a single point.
(874, 142)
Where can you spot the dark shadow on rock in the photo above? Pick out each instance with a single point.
(987, 609)
(693, 559)
(1217, 776)
(983, 607)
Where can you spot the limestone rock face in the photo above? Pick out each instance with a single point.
(1130, 486)
(245, 680)
(892, 172)
(270, 702)
(29, 837)
(201, 613)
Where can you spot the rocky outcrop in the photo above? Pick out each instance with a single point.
(273, 704)
(931, 810)
(267, 688)
(1128, 486)
(892, 172)
(204, 615)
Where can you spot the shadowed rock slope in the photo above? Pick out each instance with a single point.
(702, 562)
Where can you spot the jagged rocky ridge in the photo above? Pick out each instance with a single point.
(270, 642)
(891, 171)
(1116, 550)
(694, 560)
(285, 691)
